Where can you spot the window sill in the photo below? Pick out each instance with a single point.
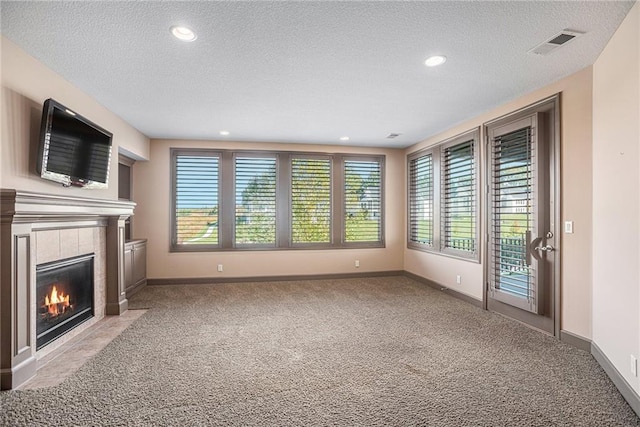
(475, 257)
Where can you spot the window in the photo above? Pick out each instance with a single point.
(362, 201)
(195, 203)
(226, 200)
(255, 197)
(443, 190)
(310, 200)
(421, 199)
(459, 197)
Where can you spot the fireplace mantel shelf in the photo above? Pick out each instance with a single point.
(25, 206)
(34, 226)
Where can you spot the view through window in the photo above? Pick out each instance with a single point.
(224, 200)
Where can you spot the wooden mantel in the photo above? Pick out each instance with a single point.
(25, 206)
(22, 215)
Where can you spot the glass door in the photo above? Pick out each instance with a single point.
(518, 215)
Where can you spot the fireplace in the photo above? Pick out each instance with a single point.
(64, 297)
(37, 229)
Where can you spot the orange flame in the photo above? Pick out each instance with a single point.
(57, 303)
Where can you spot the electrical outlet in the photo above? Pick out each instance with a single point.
(634, 366)
(458, 279)
(357, 263)
(220, 268)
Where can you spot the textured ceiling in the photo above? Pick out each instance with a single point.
(307, 71)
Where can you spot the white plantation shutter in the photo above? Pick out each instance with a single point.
(196, 199)
(459, 197)
(255, 200)
(362, 201)
(421, 200)
(310, 200)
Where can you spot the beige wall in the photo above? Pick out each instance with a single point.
(26, 84)
(151, 221)
(616, 197)
(576, 136)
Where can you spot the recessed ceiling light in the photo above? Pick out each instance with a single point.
(224, 132)
(183, 33)
(434, 61)
(344, 138)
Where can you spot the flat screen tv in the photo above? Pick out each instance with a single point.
(72, 149)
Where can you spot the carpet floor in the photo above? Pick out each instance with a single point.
(366, 352)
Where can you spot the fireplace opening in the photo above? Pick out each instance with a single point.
(64, 297)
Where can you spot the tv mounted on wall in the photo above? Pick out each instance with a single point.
(72, 149)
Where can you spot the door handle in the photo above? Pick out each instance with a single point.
(534, 252)
(547, 248)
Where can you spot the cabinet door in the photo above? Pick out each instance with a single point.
(139, 263)
(128, 266)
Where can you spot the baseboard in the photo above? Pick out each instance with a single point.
(11, 378)
(575, 340)
(629, 394)
(117, 308)
(215, 280)
(137, 288)
(448, 291)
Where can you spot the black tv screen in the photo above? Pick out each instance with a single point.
(73, 150)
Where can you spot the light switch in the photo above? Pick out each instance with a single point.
(568, 227)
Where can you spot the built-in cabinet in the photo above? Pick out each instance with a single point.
(135, 265)
(135, 251)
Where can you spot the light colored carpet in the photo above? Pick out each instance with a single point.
(374, 352)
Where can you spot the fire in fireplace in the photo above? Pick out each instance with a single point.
(64, 294)
(56, 305)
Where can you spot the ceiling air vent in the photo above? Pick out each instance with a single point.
(393, 135)
(560, 39)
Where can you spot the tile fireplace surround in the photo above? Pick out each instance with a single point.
(39, 228)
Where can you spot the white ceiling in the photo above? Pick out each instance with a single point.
(307, 71)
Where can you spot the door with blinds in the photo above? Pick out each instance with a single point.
(521, 253)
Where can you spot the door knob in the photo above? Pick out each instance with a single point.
(547, 248)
